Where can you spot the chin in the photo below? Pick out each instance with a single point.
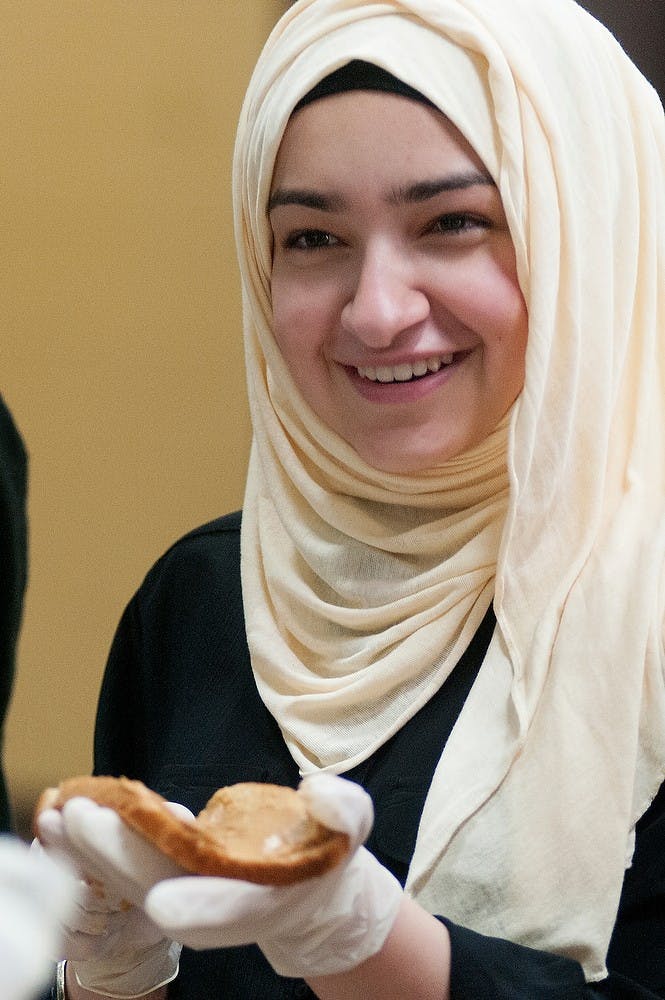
(411, 463)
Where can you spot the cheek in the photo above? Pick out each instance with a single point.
(499, 312)
(507, 344)
(511, 302)
(288, 320)
(297, 324)
(302, 318)
(514, 323)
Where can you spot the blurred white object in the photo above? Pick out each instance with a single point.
(36, 895)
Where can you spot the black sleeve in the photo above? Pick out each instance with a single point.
(179, 646)
(115, 730)
(13, 566)
(485, 967)
(179, 708)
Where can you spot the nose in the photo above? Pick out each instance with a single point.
(385, 299)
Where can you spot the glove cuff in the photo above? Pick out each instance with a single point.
(141, 973)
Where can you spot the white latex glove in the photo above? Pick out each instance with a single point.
(314, 928)
(36, 894)
(113, 946)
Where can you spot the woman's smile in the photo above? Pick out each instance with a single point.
(407, 371)
(406, 382)
(395, 298)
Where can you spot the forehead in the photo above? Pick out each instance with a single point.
(332, 139)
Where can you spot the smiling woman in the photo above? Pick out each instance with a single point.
(396, 304)
(444, 602)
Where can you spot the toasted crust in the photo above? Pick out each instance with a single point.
(257, 832)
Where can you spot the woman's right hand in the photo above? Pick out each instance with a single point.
(110, 943)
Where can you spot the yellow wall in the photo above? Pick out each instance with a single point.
(121, 349)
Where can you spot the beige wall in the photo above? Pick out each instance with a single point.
(121, 349)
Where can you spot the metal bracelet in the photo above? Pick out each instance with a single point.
(60, 993)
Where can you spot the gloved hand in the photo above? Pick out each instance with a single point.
(314, 928)
(35, 895)
(113, 945)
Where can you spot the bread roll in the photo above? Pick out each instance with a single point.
(257, 832)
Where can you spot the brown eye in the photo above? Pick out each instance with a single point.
(309, 239)
(458, 222)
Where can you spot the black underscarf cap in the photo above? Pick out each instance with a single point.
(360, 75)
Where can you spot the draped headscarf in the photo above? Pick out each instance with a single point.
(362, 588)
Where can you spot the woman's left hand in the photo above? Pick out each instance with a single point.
(317, 927)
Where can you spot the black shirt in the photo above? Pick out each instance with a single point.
(13, 567)
(179, 709)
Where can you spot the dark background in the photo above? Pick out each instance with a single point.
(640, 27)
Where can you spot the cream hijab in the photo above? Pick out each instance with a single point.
(361, 589)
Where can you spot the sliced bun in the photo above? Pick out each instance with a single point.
(257, 832)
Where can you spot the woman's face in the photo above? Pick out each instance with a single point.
(395, 296)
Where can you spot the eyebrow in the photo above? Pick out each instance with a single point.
(424, 190)
(406, 195)
(306, 198)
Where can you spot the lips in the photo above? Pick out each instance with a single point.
(387, 385)
(405, 372)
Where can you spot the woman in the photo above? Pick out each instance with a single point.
(450, 228)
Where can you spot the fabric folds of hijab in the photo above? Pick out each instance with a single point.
(362, 589)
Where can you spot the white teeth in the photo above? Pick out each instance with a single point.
(402, 373)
